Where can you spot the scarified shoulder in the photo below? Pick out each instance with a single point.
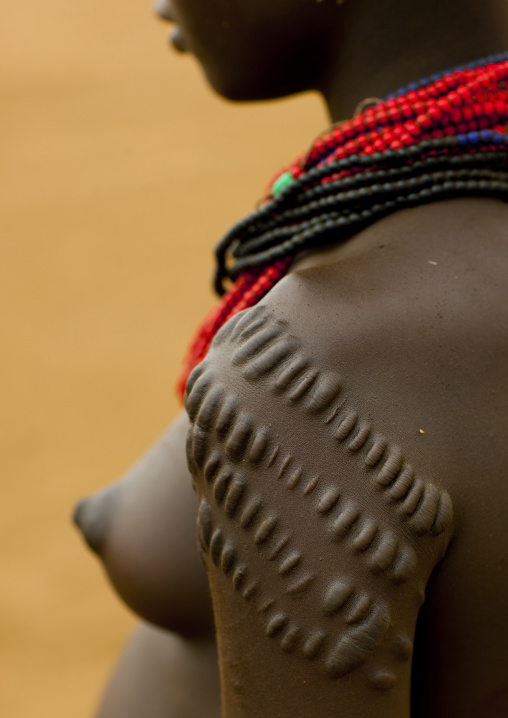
(313, 517)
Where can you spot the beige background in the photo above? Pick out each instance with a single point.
(119, 171)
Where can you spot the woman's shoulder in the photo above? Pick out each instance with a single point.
(411, 319)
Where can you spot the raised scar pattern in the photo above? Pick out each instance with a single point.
(340, 594)
(290, 639)
(274, 354)
(427, 509)
(383, 680)
(223, 554)
(278, 548)
(359, 641)
(337, 595)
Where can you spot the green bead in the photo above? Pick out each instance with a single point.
(283, 181)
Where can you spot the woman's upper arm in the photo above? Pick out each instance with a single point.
(319, 532)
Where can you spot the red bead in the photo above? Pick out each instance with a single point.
(359, 124)
(467, 113)
(347, 129)
(379, 145)
(370, 121)
(394, 114)
(435, 112)
(351, 147)
(450, 80)
(455, 98)
(441, 86)
(444, 104)
(422, 93)
(456, 115)
(412, 96)
(369, 149)
(329, 142)
(413, 129)
(485, 79)
(396, 145)
(319, 146)
(407, 110)
(478, 109)
(338, 136)
(465, 93)
(361, 140)
(424, 121)
(462, 127)
(489, 108)
(406, 139)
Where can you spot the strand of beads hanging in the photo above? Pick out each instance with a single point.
(444, 136)
(382, 160)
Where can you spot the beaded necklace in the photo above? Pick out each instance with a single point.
(444, 136)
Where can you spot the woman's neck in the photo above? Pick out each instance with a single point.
(423, 38)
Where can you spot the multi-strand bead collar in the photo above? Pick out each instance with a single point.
(445, 136)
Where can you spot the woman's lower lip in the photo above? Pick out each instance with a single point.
(177, 40)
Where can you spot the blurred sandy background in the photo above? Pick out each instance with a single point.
(119, 171)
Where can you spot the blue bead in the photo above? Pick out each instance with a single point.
(497, 138)
(470, 65)
(435, 77)
(473, 137)
(486, 135)
(413, 86)
(462, 140)
(424, 82)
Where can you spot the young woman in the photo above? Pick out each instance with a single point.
(347, 430)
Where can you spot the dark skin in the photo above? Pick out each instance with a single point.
(417, 344)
